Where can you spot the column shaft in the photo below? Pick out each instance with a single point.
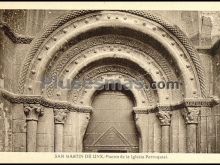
(165, 138)
(31, 136)
(32, 111)
(58, 137)
(60, 116)
(164, 115)
(83, 123)
(191, 138)
(191, 115)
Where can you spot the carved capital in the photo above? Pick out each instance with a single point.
(191, 115)
(60, 115)
(33, 111)
(164, 117)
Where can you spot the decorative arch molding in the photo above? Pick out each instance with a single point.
(155, 76)
(116, 74)
(141, 97)
(59, 51)
(173, 31)
(67, 66)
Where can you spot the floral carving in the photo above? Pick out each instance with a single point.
(33, 111)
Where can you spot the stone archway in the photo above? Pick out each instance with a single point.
(112, 126)
(87, 44)
(112, 71)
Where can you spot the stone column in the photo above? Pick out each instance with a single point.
(141, 122)
(83, 123)
(165, 120)
(191, 115)
(32, 112)
(140, 125)
(60, 116)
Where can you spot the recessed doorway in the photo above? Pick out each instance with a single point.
(112, 126)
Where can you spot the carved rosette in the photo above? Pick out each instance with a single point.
(33, 111)
(164, 117)
(191, 115)
(60, 115)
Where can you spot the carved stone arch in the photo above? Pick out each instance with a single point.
(118, 74)
(156, 76)
(57, 52)
(140, 101)
(67, 68)
(175, 38)
(88, 97)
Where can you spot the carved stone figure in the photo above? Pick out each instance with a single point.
(60, 115)
(191, 115)
(164, 117)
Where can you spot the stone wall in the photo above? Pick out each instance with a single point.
(201, 27)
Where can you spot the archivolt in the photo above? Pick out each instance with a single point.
(71, 58)
(119, 74)
(37, 43)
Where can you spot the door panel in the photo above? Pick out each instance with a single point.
(112, 127)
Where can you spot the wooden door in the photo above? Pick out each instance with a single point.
(112, 127)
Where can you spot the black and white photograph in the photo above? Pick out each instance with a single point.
(109, 81)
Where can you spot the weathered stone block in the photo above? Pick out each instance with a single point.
(19, 141)
(19, 126)
(18, 112)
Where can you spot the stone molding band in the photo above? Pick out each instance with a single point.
(187, 102)
(25, 99)
(14, 37)
(33, 99)
(201, 102)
